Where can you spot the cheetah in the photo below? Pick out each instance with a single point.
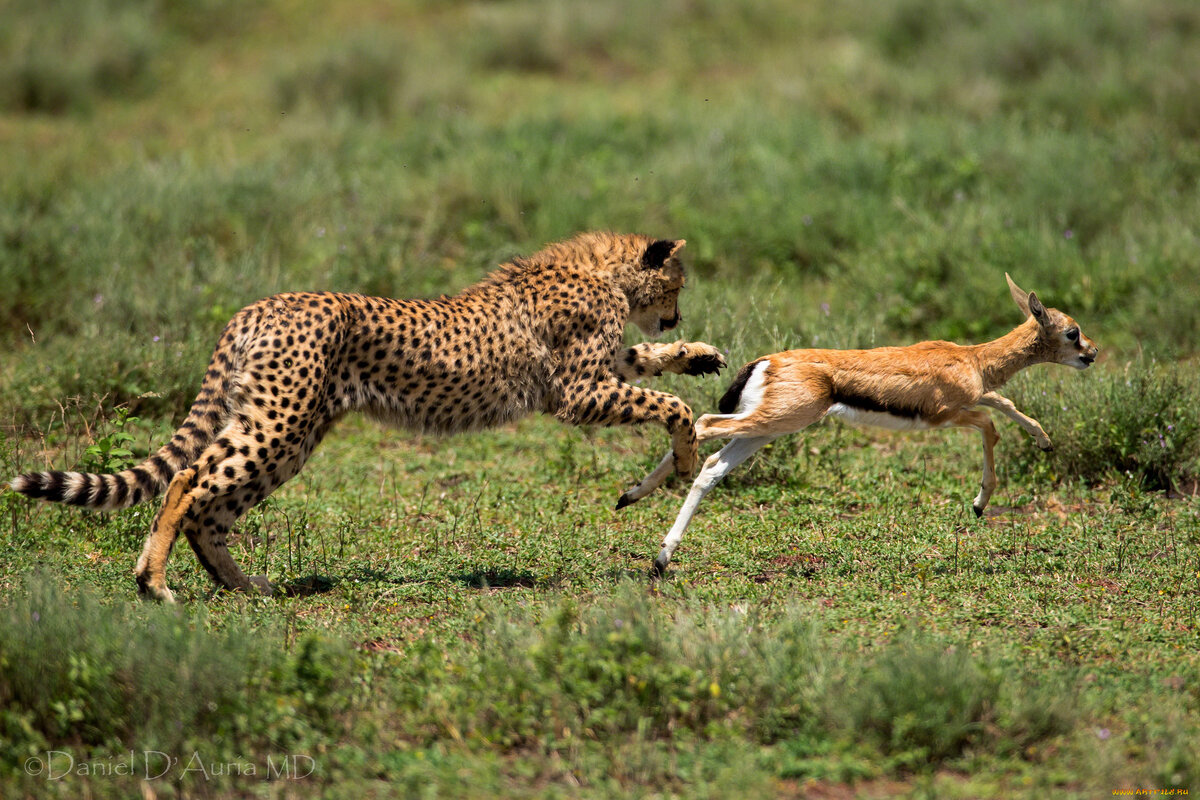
(541, 333)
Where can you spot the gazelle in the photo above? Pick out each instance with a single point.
(926, 385)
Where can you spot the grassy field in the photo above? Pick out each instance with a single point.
(468, 615)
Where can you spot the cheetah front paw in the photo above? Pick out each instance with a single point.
(699, 358)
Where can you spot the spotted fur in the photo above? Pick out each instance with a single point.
(541, 333)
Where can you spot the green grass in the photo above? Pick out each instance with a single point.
(468, 615)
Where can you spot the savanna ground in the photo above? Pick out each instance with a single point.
(468, 616)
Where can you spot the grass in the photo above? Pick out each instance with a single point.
(849, 623)
(468, 614)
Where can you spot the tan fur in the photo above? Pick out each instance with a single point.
(151, 567)
(655, 358)
(925, 385)
(541, 333)
(937, 379)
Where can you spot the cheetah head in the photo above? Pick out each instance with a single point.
(653, 287)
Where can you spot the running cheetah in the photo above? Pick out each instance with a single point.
(541, 333)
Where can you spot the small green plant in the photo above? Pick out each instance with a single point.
(1137, 421)
(921, 704)
(87, 679)
(111, 453)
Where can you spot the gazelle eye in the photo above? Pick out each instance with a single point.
(1073, 335)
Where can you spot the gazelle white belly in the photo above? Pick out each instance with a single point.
(877, 419)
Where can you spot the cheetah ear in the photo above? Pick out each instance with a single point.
(659, 251)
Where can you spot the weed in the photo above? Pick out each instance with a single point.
(86, 679)
(921, 705)
(110, 452)
(1129, 421)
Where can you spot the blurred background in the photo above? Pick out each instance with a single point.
(846, 173)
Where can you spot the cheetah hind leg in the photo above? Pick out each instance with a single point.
(151, 567)
(151, 570)
(263, 585)
(207, 529)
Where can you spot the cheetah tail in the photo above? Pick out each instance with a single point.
(90, 490)
(128, 487)
(206, 417)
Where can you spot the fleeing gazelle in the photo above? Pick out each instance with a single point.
(926, 385)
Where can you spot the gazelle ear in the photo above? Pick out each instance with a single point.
(1037, 309)
(1019, 295)
(659, 251)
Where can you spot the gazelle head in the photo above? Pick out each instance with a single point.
(1058, 333)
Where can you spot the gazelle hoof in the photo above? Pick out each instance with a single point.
(660, 565)
(978, 511)
(625, 500)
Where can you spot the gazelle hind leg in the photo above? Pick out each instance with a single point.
(665, 467)
(715, 468)
(649, 483)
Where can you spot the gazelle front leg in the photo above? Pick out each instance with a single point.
(980, 421)
(715, 468)
(1028, 424)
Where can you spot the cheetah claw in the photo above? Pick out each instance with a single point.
(705, 364)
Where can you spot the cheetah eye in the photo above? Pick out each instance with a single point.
(1073, 335)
